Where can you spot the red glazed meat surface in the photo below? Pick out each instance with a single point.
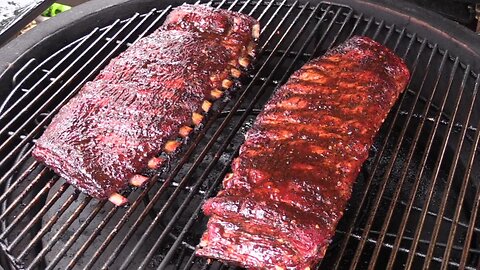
(293, 177)
(116, 123)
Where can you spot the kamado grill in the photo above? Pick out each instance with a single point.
(414, 205)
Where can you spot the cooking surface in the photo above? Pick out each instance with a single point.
(399, 213)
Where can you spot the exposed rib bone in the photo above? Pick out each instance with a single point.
(216, 93)
(206, 105)
(197, 118)
(138, 180)
(244, 62)
(155, 162)
(227, 83)
(117, 199)
(256, 31)
(235, 72)
(185, 131)
(171, 146)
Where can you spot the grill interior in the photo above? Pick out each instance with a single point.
(415, 202)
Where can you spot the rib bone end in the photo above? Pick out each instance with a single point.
(216, 94)
(155, 162)
(197, 118)
(185, 131)
(171, 146)
(244, 62)
(118, 199)
(236, 73)
(227, 83)
(256, 31)
(138, 180)
(206, 105)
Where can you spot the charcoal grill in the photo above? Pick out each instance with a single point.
(415, 203)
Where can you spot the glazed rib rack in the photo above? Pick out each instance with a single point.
(415, 202)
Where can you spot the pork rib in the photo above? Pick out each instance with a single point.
(293, 177)
(153, 93)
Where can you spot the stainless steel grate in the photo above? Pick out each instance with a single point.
(414, 204)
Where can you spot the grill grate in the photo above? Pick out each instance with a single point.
(414, 204)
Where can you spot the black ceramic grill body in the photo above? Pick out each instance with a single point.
(415, 202)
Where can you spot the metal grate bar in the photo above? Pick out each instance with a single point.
(357, 23)
(261, 50)
(29, 207)
(322, 39)
(233, 4)
(369, 24)
(393, 236)
(383, 184)
(473, 217)
(410, 155)
(38, 217)
(300, 52)
(72, 93)
(369, 180)
(465, 182)
(15, 167)
(221, 4)
(92, 237)
(380, 27)
(419, 174)
(76, 235)
(122, 221)
(15, 91)
(453, 165)
(45, 229)
(436, 169)
(195, 214)
(23, 194)
(9, 111)
(62, 230)
(154, 22)
(432, 214)
(405, 250)
(19, 179)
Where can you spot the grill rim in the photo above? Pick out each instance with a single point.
(68, 26)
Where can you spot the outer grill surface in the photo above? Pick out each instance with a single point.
(415, 202)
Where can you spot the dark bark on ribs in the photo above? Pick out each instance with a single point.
(115, 126)
(295, 171)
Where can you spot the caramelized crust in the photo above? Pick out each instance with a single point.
(118, 124)
(295, 171)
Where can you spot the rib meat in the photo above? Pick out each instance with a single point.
(143, 99)
(293, 177)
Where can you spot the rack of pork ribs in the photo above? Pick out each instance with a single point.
(289, 185)
(146, 100)
(294, 174)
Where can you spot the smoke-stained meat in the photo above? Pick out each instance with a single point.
(156, 91)
(294, 174)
